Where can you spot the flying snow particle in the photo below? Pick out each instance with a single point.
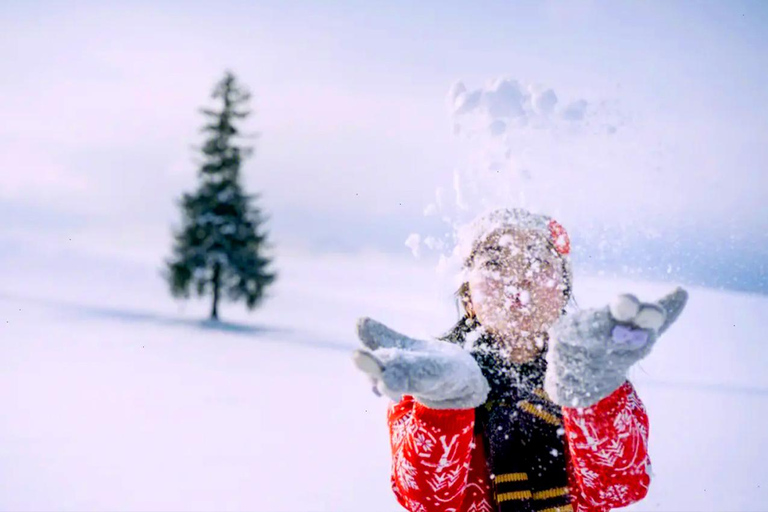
(413, 242)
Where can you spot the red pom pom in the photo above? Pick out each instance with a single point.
(559, 237)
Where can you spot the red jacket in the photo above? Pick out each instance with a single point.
(438, 463)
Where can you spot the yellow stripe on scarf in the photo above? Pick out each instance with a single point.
(550, 493)
(517, 495)
(564, 508)
(511, 477)
(543, 415)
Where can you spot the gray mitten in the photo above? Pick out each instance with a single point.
(591, 351)
(436, 373)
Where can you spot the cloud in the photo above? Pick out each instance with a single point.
(544, 101)
(575, 111)
(506, 99)
(497, 127)
(507, 104)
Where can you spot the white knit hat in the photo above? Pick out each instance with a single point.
(476, 232)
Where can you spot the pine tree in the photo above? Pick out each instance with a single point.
(220, 248)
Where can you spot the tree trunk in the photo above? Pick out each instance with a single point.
(216, 280)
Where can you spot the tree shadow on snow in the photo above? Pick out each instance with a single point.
(134, 316)
(276, 334)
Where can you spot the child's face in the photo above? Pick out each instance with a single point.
(516, 284)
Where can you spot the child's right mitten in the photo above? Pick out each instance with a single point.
(436, 373)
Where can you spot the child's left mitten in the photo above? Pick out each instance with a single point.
(591, 351)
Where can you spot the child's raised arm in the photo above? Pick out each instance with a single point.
(608, 451)
(436, 386)
(431, 456)
(605, 422)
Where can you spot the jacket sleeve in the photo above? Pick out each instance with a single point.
(608, 451)
(431, 452)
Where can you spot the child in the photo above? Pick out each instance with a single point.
(520, 407)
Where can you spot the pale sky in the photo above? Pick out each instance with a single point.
(100, 100)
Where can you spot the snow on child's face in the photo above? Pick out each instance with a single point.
(516, 284)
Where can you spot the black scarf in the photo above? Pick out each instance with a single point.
(523, 433)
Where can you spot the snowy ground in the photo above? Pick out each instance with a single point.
(115, 398)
